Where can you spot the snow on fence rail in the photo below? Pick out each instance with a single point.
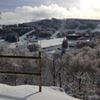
(24, 73)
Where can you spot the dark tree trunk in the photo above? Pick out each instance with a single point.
(60, 82)
(80, 84)
(98, 87)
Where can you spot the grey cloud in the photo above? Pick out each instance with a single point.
(50, 8)
(6, 5)
(28, 13)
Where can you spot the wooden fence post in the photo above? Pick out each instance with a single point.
(40, 71)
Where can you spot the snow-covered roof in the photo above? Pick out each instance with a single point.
(53, 42)
(50, 42)
(29, 92)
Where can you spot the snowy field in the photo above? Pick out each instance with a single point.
(29, 92)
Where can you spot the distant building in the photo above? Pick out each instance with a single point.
(50, 44)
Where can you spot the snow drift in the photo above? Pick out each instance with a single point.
(29, 92)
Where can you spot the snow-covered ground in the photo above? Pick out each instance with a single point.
(29, 92)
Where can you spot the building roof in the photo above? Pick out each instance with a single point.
(50, 42)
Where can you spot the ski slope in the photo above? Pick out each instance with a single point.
(29, 92)
(24, 37)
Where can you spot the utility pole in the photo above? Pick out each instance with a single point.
(90, 34)
(0, 15)
(0, 19)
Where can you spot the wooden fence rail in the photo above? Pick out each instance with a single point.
(25, 73)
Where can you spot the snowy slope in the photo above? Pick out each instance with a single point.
(23, 37)
(29, 92)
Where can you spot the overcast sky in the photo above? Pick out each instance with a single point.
(19, 11)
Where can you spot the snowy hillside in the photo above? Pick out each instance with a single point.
(27, 92)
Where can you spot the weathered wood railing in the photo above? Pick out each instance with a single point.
(25, 73)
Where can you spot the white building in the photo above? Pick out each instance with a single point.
(54, 44)
(50, 44)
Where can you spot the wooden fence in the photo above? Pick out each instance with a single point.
(25, 73)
